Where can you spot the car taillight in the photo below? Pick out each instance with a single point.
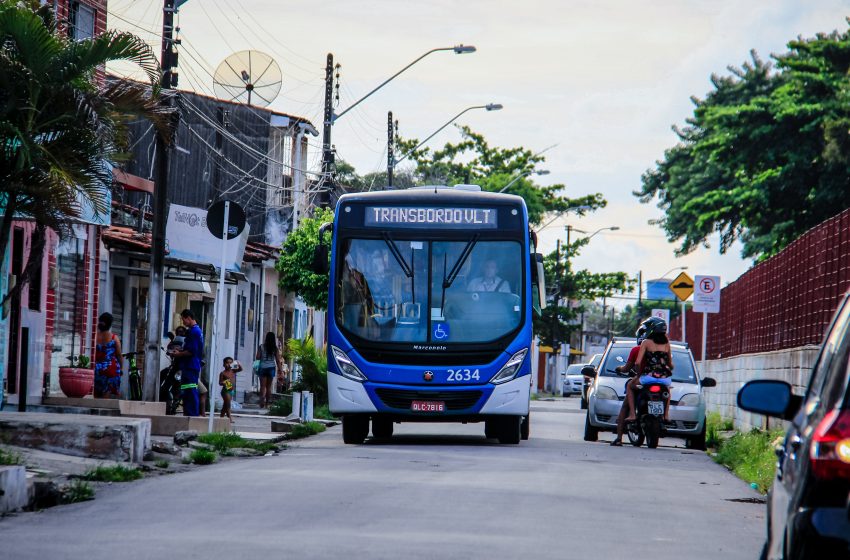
(830, 452)
(655, 389)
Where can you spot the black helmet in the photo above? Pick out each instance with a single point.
(655, 325)
(640, 334)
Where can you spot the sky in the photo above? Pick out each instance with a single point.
(596, 83)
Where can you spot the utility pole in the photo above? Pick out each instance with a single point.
(327, 152)
(390, 155)
(160, 214)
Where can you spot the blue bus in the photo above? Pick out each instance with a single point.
(430, 307)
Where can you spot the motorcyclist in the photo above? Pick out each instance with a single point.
(640, 335)
(654, 363)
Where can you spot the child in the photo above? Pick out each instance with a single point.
(227, 380)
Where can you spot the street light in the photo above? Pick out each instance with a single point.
(330, 117)
(488, 107)
(457, 49)
(571, 228)
(673, 270)
(520, 176)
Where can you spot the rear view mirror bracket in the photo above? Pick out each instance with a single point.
(321, 254)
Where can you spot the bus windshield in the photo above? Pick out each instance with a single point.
(424, 291)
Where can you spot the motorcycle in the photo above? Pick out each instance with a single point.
(648, 425)
(169, 387)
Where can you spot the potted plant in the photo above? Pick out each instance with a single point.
(76, 380)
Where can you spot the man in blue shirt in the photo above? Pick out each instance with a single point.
(191, 357)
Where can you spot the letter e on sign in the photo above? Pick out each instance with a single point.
(707, 294)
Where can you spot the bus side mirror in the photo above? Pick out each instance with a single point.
(321, 254)
(540, 280)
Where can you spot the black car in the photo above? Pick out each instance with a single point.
(808, 507)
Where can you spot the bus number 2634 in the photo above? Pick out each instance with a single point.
(463, 375)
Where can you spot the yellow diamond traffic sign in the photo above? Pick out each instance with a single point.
(682, 286)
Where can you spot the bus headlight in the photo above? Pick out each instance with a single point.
(510, 369)
(346, 367)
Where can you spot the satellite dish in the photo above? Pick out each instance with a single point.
(251, 77)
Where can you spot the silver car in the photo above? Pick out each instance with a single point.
(573, 380)
(687, 403)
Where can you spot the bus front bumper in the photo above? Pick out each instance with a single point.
(350, 397)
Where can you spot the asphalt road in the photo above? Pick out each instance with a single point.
(436, 491)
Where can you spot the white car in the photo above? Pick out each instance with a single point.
(687, 402)
(573, 381)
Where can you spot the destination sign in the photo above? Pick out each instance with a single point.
(381, 216)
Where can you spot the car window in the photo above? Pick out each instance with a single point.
(833, 357)
(575, 369)
(595, 360)
(683, 366)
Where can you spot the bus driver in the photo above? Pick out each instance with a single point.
(490, 281)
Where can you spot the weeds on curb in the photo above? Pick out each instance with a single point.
(10, 458)
(224, 441)
(751, 456)
(202, 457)
(323, 412)
(281, 407)
(78, 491)
(307, 429)
(161, 463)
(118, 473)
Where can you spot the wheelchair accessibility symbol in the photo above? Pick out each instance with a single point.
(440, 332)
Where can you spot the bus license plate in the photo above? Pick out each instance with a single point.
(428, 406)
(656, 408)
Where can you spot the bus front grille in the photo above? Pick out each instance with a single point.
(402, 399)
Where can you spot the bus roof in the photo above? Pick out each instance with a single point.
(432, 195)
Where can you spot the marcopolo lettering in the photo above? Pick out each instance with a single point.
(437, 217)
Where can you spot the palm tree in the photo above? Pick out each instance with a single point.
(61, 127)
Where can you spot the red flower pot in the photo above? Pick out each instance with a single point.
(76, 383)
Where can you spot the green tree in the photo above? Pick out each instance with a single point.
(766, 154)
(60, 127)
(294, 265)
(570, 292)
(474, 160)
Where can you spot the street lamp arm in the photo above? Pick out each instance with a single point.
(450, 121)
(391, 78)
(514, 180)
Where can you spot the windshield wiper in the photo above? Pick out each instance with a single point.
(406, 268)
(452, 276)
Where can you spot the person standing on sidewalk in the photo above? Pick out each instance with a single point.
(191, 356)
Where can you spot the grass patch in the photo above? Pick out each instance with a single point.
(323, 412)
(224, 441)
(78, 491)
(161, 463)
(202, 457)
(307, 429)
(714, 424)
(751, 456)
(281, 407)
(118, 473)
(10, 458)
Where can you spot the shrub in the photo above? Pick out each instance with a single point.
(323, 412)
(751, 456)
(224, 441)
(118, 473)
(78, 491)
(281, 407)
(306, 429)
(161, 463)
(314, 368)
(10, 458)
(202, 457)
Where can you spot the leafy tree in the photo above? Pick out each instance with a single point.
(347, 176)
(296, 257)
(571, 291)
(473, 160)
(766, 154)
(60, 128)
